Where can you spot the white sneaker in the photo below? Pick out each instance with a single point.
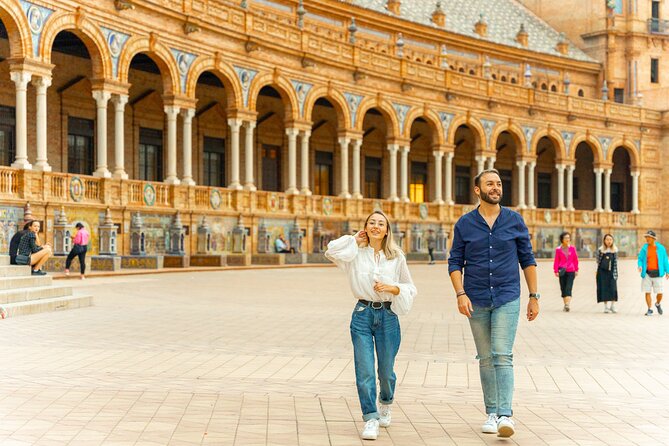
(613, 309)
(384, 419)
(371, 430)
(606, 309)
(490, 425)
(505, 427)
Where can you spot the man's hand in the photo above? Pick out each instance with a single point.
(361, 237)
(639, 268)
(383, 288)
(465, 305)
(532, 309)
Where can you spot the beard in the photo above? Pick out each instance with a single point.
(488, 199)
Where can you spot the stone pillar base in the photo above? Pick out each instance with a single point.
(142, 262)
(105, 263)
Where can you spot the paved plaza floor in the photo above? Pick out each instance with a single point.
(264, 357)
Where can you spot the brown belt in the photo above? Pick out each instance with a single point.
(375, 305)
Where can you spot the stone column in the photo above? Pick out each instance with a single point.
(598, 189)
(449, 178)
(521, 183)
(607, 190)
(491, 162)
(438, 186)
(171, 175)
(635, 192)
(292, 161)
(101, 99)
(343, 149)
(234, 124)
(357, 143)
(570, 187)
(21, 79)
(41, 84)
(304, 164)
(404, 174)
(187, 115)
(560, 186)
(119, 136)
(531, 185)
(393, 149)
(480, 163)
(249, 150)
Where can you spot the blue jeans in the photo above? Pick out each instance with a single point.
(494, 331)
(370, 327)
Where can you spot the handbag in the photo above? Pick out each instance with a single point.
(22, 260)
(562, 272)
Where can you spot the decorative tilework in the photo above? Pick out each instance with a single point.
(246, 76)
(401, 111)
(184, 62)
(637, 144)
(37, 16)
(446, 119)
(567, 136)
(353, 101)
(605, 141)
(488, 125)
(116, 41)
(529, 133)
(301, 90)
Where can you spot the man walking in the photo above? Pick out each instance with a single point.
(653, 266)
(488, 244)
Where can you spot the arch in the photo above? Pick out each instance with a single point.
(591, 141)
(280, 84)
(386, 110)
(225, 73)
(474, 125)
(18, 31)
(556, 139)
(514, 130)
(336, 99)
(432, 119)
(627, 145)
(159, 53)
(87, 31)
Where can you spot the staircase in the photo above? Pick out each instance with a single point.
(22, 293)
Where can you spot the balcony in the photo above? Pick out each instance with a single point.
(657, 26)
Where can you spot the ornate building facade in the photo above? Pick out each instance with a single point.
(259, 117)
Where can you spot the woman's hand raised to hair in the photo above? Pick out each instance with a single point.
(361, 237)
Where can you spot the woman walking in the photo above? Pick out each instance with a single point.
(565, 267)
(30, 249)
(379, 278)
(79, 249)
(607, 274)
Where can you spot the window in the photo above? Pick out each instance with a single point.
(463, 181)
(214, 162)
(507, 187)
(372, 177)
(7, 135)
(619, 95)
(271, 167)
(544, 200)
(654, 71)
(581, 93)
(655, 10)
(617, 197)
(80, 145)
(150, 154)
(323, 173)
(575, 191)
(418, 183)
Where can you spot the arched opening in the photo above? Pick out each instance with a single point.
(546, 181)
(7, 111)
(421, 162)
(554, 88)
(467, 143)
(325, 156)
(508, 149)
(581, 93)
(621, 181)
(375, 158)
(504, 79)
(272, 151)
(584, 178)
(513, 80)
(210, 131)
(472, 72)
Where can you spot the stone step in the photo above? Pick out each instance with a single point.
(4, 260)
(46, 305)
(34, 294)
(10, 283)
(14, 270)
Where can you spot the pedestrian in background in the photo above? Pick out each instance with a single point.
(654, 266)
(565, 268)
(607, 274)
(431, 245)
(79, 249)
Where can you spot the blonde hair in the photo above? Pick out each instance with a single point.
(388, 245)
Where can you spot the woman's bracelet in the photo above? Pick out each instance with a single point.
(460, 293)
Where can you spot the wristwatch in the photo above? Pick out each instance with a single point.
(537, 296)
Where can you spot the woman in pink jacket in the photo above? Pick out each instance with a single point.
(79, 249)
(565, 267)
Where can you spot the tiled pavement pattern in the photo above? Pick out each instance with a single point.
(264, 357)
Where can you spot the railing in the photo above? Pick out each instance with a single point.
(657, 26)
(149, 194)
(76, 188)
(9, 181)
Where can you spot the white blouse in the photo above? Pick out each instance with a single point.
(363, 270)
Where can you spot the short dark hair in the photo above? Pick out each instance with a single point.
(563, 235)
(477, 178)
(79, 225)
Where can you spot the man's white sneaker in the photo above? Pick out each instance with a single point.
(505, 427)
(384, 419)
(371, 430)
(490, 425)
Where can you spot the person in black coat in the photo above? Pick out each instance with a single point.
(607, 274)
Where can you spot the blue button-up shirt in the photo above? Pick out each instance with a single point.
(490, 257)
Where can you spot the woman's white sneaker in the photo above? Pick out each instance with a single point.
(371, 430)
(505, 427)
(490, 425)
(384, 419)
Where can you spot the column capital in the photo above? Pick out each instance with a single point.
(101, 97)
(350, 134)
(188, 113)
(560, 167)
(405, 149)
(571, 167)
(635, 173)
(438, 154)
(42, 82)
(532, 164)
(292, 131)
(393, 148)
(119, 100)
(521, 163)
(344, 141)
(20, 78)
(172, 111)
(598, 170)
(306, 133)
(110, 85)
(250, 124)
(235, 123)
